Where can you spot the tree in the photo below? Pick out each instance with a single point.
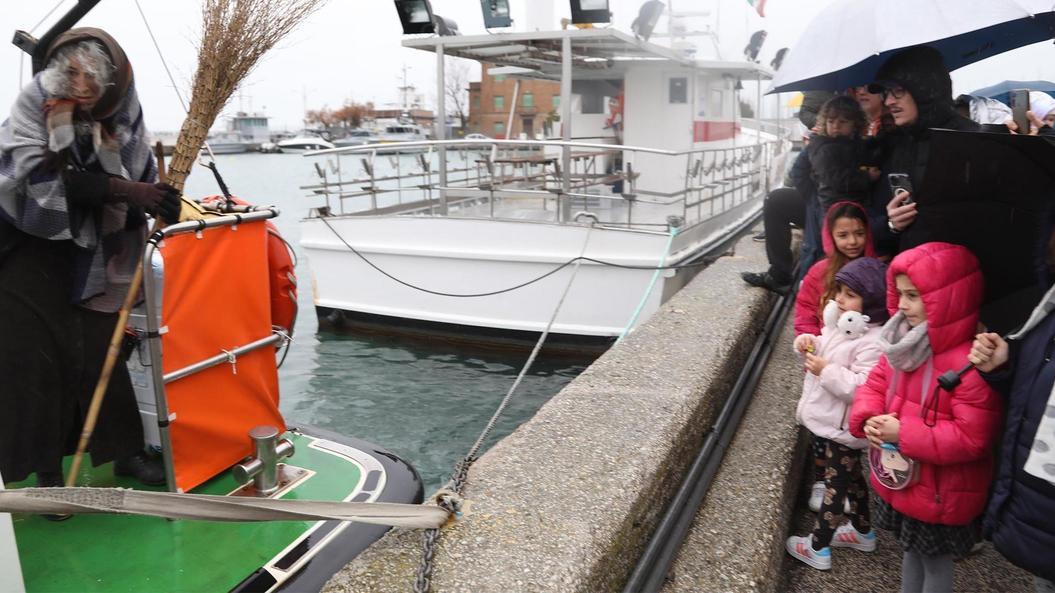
(352, 114)
(322, 117)
(456, 86)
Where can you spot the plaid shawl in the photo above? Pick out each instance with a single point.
(40, 129)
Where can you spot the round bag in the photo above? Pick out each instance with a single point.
(892, 469)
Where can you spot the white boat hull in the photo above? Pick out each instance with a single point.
(466, 256)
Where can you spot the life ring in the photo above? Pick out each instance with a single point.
(282, 277)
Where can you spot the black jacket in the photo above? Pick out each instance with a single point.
(907, 150)
(837, 170)
(1020, 518)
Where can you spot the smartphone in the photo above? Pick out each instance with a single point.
(900, 183)
(1019, 107)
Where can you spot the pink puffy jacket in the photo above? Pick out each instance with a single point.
(808, 301)
(955, 454)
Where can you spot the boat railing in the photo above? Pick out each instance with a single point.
(542, 180)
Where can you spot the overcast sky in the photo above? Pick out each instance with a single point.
(350, 49)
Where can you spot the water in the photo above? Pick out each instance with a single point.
(424, 400)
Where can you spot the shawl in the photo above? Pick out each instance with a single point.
(33, 195)
(906, 347)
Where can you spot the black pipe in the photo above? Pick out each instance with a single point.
(651, 570)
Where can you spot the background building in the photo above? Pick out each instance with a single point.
(537, 106)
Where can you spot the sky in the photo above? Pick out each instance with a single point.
(350, 50)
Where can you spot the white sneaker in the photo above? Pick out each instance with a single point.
(800, 548)
(817, 497)
(846, 536)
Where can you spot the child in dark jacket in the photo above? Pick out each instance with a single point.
(838, 154)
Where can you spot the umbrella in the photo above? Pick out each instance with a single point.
(845, 45)
(991, 192)
(1002, 90)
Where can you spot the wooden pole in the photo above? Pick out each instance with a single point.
(114, 351)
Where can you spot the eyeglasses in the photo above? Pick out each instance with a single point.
(896, 92)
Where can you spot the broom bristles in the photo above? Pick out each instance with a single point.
(235, 35)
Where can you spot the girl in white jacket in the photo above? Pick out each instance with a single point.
(837, 362)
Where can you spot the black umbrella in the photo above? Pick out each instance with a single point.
(992, 193)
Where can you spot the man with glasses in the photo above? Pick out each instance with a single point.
(917, 91)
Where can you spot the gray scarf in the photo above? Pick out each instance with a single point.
(905, 347)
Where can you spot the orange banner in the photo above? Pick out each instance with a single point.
(216, 298)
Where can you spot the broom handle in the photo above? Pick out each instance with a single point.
(114, 350)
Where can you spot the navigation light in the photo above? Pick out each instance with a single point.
(590, 11)
(496, 14)
(416, 16)
(646, 20)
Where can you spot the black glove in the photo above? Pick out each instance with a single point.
(170, 205)
(155, 198)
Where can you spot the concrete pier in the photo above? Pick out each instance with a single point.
(568, 501)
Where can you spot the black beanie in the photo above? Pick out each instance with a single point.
(921, 71)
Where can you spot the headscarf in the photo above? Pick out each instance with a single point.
(32, 191)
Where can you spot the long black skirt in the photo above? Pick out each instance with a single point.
(51, 353)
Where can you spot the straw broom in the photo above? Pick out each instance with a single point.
(235, 35)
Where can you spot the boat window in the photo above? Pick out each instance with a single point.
(717, 100)
(679, 89)
(500, 102)
(593, 103)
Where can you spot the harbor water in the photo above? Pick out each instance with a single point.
(426, 400)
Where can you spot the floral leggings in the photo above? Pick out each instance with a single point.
(843, 478)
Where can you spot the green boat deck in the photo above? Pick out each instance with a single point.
(134, 554)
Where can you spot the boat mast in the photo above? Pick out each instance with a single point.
(564, 211)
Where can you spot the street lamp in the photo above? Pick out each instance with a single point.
(496, 14)
(590, 11)
(416, 16)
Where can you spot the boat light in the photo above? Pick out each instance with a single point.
(590, 11)
(646, 20)
(496, 14)
(416, 16)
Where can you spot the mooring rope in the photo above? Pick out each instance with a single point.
(449, 497)
(205, 507)
(469, 295)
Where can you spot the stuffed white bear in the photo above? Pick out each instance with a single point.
(853, 324)
(850, 324)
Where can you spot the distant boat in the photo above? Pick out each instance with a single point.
(356, 138)
(303, 143)
(403, 132)
(227, 143)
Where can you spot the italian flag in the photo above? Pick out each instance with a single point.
(760, 6)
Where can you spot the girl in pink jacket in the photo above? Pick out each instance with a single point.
(936, 445)
(838, 361)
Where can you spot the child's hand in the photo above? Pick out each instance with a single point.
(988, 352)
(805, 343)
(882, 429)
(815, 364)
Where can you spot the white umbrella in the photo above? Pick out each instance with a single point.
(846, 43)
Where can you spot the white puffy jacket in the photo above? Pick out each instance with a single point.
(824, 407)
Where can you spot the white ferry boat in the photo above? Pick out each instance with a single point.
(679, 175)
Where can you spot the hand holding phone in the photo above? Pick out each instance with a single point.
(1019, 107)
(900, 183)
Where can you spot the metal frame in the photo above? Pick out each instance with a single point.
(153, 315)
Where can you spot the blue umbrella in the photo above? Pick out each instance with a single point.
(845, 45)
(1002, 90)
